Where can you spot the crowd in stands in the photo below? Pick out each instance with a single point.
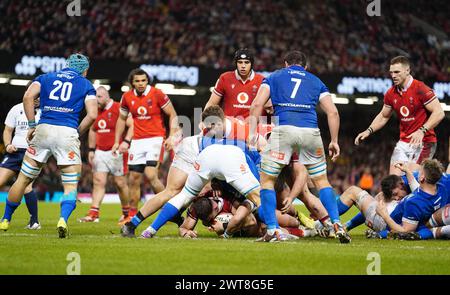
(338, 35)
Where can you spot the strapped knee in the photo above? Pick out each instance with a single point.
(29, 170)
(70, 178)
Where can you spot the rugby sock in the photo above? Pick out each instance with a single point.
(342, 208)
(67, 208)
(125, 210)
(261, 214)
(269, 205)
(357, 220)
(425, 233)
(326, 196)
(383, 234)
(168, 211)
(94, 211)
(9, 209)
(137, 219)
(133, 211)
(32, 204)
(68, 204)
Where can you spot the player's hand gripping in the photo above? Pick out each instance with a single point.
(334, 150)
(381, 208)
(91, 158)
(169, 143)
(190, 234)
(285, 204)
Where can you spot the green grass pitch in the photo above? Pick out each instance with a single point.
(103, 251)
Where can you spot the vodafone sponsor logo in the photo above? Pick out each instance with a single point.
(142, 112)
(404, 111)
(242, 97)
(101, 124)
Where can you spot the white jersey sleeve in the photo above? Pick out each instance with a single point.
(17, 119)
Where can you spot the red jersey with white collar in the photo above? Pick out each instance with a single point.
(237, 95)
(409, 105)
(146, 111)
(105, 126)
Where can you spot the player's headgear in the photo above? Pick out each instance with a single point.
(78, 62)
(244, 53)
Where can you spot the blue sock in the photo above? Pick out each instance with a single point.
(68, 204)
(32, 204)
(9, 209)
(425, 233)
(168, 211)
(383, 234)
(342, 208)
(328, 200)
(261, 214)
(357, 220)
(136, 220)
(269, 205)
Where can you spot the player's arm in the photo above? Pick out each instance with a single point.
(120, 128)
(28, 105)
(328, 106)
(406, 226)
(129, 123)
(378, 122)
(436, 116)
(7, 139)
(256, 109)
(169, 110)
(448, 167)
(186, 230)
(214, 99)
(91, 114)
(91, 145)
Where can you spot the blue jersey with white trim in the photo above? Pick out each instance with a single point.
(417, 207)
(444, 181)
(295, 93)
(62, 97)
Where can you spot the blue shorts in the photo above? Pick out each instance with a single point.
(13, 161)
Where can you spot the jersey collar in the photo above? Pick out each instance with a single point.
(250, 77)
(108, 106)
(411, 79)
(297, 67)
(147, 90)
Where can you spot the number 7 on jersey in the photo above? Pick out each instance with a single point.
(297, 82)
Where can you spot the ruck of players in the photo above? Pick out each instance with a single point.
(257, 154)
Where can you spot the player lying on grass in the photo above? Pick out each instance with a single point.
(411, 212)
(216, 212)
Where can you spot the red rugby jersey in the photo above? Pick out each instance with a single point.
(409, 105)
(237, 95)
(105, 126)
(146, 111)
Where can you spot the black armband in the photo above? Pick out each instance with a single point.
(92, 150)
(370, 129)
(127, 141)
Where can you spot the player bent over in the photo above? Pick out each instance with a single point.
(103, 160)
(62, 96)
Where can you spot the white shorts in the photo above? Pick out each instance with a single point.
(224, 162)
(404, 153)
(60, 142)
(146, 149)
(287, 140)
(186, 153)
(373, 220)
(106, 161)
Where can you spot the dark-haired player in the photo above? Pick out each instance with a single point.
(147, 105)
(418, 111)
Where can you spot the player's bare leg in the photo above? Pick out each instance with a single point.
(152, 175)
(5, 175)
(135, 180)
(98, 193)
(176, 179)
(121, 185)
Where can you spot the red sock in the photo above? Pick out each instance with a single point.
(133, 211)
(295, 231)
(125, 210)
(94, 211)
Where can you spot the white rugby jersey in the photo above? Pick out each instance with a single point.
(17, 119)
